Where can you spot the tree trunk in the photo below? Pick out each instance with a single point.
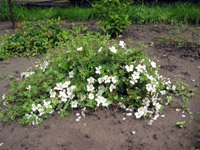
(11, 13)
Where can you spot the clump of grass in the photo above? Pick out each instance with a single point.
(177, 13)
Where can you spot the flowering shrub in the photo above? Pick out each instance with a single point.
(35, 38)
(88, 72)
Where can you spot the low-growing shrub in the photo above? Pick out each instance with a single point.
(113, 15)
(88, 72)
(35, 37)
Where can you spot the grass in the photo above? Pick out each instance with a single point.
(139, 14)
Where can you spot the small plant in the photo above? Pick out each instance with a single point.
(34, 38)
(113, 15)
(180, 124)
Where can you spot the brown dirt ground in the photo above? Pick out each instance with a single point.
(105, 129)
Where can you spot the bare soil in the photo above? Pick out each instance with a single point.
(106, 129)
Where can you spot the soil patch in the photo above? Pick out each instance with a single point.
(106, 129)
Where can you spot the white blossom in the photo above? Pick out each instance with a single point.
(91, 96)
(122, 44)
(98, 70)
(63, 96)
(34, 107)
(107, 79)
(74, 104)
(112, 87)
(141, 68)
(90, 80)
(66, 84)
(52, 94)
(100, 80)
(90, 88)
(153, 64)
(26, 74)
(114, 80)
(151, 88)
(80, 49)
(142, 111)
(59, 86)
(44, 65)
(129, 68)
(3, 97)
(113, 49)
(101, 100)
(71, 74)
(28, 87)
(100, 49)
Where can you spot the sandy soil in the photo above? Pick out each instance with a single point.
(105, 129)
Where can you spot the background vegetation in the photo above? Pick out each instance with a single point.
(139, 13)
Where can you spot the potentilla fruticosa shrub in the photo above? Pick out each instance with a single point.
(35, 37)
(88, 72)
(112, 15)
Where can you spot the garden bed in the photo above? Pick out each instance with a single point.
(106, 129)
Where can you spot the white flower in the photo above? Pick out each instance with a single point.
(28, 87)
(71, 74)
(112, 87)
(134, 77)
(59, 86)
(153, 64)
(100, 80)
(114, 80)
(98, 70)
(107, 79)
(90, 88)
(129, 68)
(63, 96)
(47, 104)
(74, 104)
(100, 49)
(140, 68)
(91, 96)
(34, 107)
(90, 80)
(129, 114)
(122, 44)
(174, 87)
(66, 84)
(101, 100)
(52, 94)
(26, 74)
(44, 65)
(163, 92)
(113, 49)
(3, 97)
(78, 119)
(151, 88)
(157, 106)
(142, 111)
(80, 49)
(41, 111)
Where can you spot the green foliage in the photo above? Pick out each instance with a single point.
(113, 15)
(34, 38)
(139, 14)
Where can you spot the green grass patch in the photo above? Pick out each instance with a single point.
(139, 14)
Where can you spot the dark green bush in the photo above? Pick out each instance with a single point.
(113, 15)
